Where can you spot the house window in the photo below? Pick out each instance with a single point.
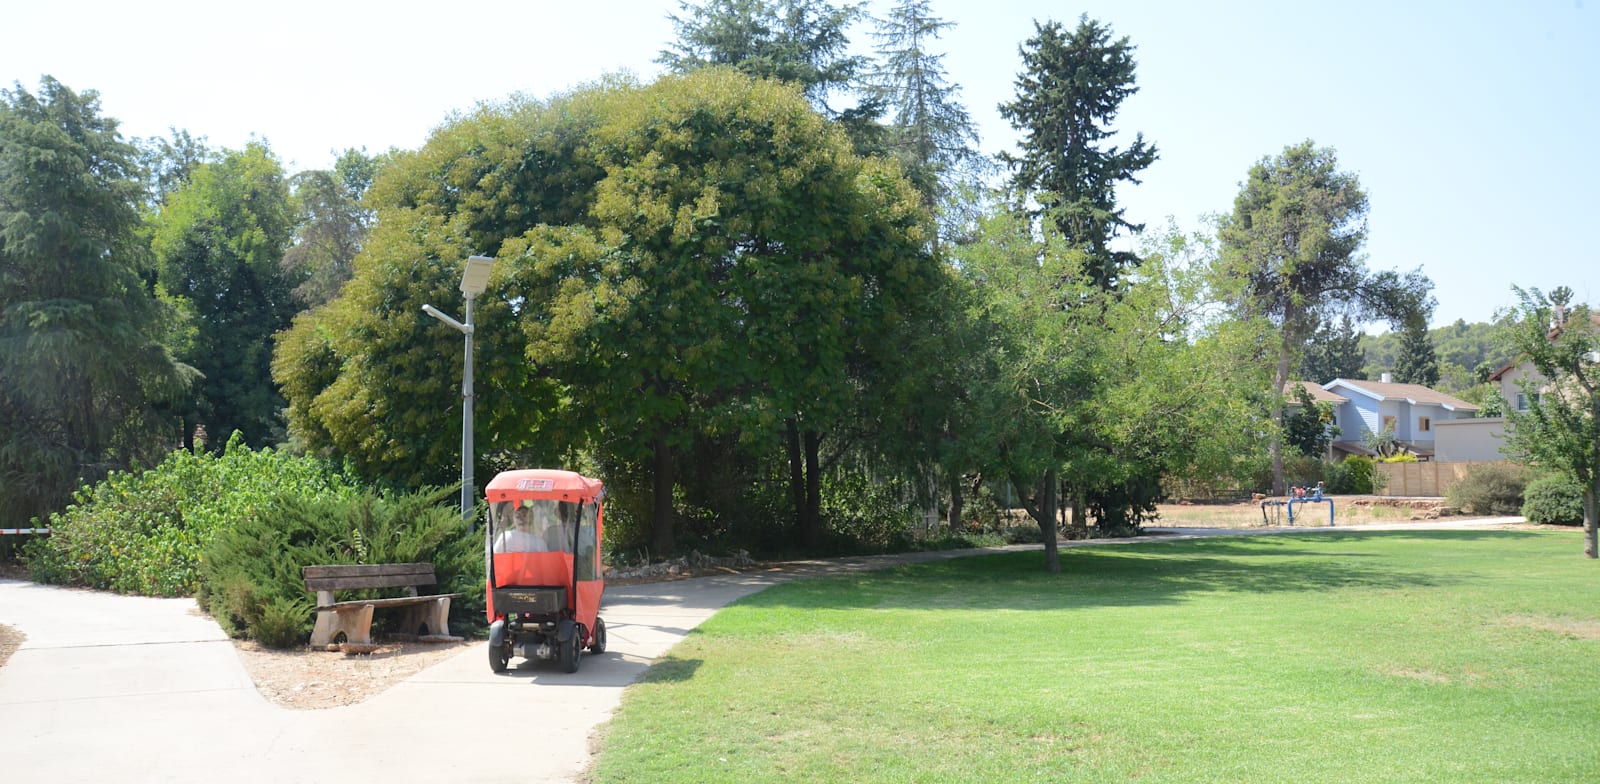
(1522, 400)
(1389, 424)
(1424, 424)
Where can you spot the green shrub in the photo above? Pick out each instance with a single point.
(1303, 471)
(1352, 476)
(252, 573)
(142, 532)
(862, 515)
(1489, 489)
(1555, 499)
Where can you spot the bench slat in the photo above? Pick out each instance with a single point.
(399, 601)
(369, 570)
(358, 576)
(354, 583)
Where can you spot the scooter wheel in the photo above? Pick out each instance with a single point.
(570, 652)
(599, 644)
(499, 657)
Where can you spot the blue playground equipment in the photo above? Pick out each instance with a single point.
(1299, 495)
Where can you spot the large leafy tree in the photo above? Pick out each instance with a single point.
(1561, 428)
(1071, 88)
(219, 243)
(699, 262)
(1096, 396)
(369, 377)
(1291, 253)
(83, 373)
(745, 275)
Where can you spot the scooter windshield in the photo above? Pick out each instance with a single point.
(533, 526)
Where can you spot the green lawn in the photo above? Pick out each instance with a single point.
(1340, 657)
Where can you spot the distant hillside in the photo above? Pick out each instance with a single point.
(1461, 348)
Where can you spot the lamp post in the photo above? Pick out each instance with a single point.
(474, 279)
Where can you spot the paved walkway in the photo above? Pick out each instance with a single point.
(120, 688)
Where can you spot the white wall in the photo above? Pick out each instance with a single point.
(1508, 383)
(1469, 440)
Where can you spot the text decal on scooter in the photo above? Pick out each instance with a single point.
(535, 485)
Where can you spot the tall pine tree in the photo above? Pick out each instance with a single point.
(1416, 363)
(803, 42)
(930, 132)
(1068, 95)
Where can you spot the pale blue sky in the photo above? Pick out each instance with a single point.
(1473, 125)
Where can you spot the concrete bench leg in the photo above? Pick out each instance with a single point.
(428, 618)
(355, 622)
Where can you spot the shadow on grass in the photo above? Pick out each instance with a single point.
(670, 669)
(1152, 573)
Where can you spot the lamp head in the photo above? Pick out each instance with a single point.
(475, 276)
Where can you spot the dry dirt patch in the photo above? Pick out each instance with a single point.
(1568, 627)
(10, 641)
(306, 679)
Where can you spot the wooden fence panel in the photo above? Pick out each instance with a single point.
(1429, 479)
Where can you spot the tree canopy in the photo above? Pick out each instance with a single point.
(84, 376)
(219, 242)
(727, 266)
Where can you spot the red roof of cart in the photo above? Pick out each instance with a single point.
(542, 483)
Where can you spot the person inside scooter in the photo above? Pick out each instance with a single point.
(532, 526)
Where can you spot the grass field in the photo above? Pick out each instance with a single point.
(1447, 656)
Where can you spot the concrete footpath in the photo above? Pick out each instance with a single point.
(120, 688)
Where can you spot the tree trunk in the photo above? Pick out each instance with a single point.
(1591, 518)
(811, 514)
(1042, 508)
(1052, 553)
(957, 503)
(661, 515)
(1275, 446)
(797, 476)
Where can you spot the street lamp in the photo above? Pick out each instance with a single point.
(474, 279)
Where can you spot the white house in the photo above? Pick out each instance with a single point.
(1409, 411)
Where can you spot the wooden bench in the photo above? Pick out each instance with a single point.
(425, 616)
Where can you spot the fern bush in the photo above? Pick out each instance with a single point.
(1553, 500)
(142, 532)
(1489, 489)
(252, 578)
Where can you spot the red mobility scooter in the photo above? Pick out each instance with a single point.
(542, 552)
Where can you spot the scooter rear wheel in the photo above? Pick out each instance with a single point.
(570, 652)
(499, 657)
(599, 644)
